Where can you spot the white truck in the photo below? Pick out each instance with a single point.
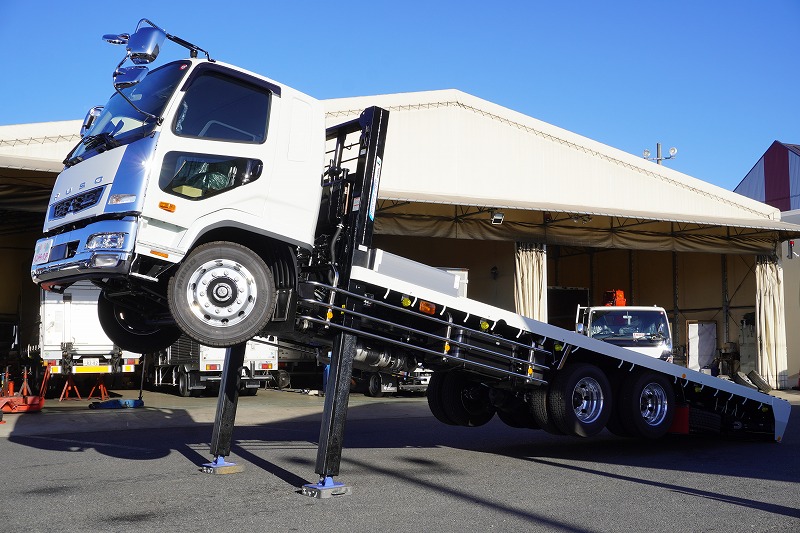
(70, 338)
(193, 368)
(642, 329)
(199, 201)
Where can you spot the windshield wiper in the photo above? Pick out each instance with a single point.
(100, 143)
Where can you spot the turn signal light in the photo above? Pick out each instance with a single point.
(427, 307)
(166, 206)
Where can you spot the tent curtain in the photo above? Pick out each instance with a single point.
(664, 239)
(770, 324)
(530, 281)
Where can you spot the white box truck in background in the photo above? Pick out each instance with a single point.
(71, 339)
(193, 368)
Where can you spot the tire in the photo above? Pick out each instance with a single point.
(283, 379)
(646, 405)
(742, 379)
(183, 385)
(759, 382)
(539, 412)
(222, 294)
(374, 386)
(434, 395)
(579, 400)
(129, 330)
(466, 402)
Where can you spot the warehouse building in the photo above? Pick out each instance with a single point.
(529, 210)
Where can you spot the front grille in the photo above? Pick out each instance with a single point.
(77, 203)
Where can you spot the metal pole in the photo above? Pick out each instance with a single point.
(726, 304)
(658, 153)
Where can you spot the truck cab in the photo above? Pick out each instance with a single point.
(642, 329)
(187, 199)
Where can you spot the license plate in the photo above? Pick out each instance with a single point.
(91, 361)
(41, 253)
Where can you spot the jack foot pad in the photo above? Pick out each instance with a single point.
(220, 466)
(326, 488)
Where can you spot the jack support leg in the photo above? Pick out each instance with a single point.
(226, 413)
(334, 415)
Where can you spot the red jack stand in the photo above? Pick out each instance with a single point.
(70, 386)
(102, 391)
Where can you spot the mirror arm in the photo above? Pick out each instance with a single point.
(193, 48)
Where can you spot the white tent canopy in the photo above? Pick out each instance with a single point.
(447, 148)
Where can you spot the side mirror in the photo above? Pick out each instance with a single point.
(144, 45)
(91, 116)
(125, 77)
(579, 329)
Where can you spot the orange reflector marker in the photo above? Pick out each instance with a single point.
(159, 254)
(427, 307)
(446, 347)
(166, 206)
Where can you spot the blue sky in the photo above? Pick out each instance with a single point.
(718, 80)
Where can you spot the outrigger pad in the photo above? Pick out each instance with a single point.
(326, 488)
(220, 466)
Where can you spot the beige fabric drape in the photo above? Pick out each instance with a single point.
(530, 281)
(770, 324)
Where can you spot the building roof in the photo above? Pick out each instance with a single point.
(775, 178)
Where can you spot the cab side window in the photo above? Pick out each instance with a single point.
(197, 176)
(218, 107)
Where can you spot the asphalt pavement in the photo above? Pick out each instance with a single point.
(72, 468)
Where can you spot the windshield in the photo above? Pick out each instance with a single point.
(119, 123)
(641, 327)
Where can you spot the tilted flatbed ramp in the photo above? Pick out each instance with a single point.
(394, 274)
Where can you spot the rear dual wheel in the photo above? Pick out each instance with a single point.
(646, 406)
(579, 400)
(457, 399)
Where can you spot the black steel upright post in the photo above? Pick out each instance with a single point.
(357, 238)
(227, 402)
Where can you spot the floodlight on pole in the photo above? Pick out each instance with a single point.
(659, 158)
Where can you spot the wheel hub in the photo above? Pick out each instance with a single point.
(221, 292)
(587, 400)
(653, 404)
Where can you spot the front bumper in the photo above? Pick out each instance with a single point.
(64, 258)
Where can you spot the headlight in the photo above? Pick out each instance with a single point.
(105, 241)
(115, 199)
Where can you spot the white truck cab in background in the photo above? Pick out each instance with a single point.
(642, 329)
